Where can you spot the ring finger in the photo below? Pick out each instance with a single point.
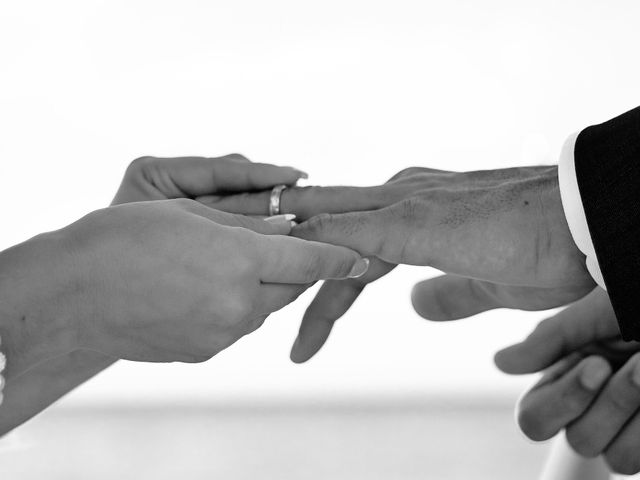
(305, 202)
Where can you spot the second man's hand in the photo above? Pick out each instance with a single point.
(590, 386)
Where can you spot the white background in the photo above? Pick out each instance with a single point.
(350, 91)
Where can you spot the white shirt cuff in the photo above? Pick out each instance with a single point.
(573, 209)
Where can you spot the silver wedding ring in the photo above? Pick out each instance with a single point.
(274, 199)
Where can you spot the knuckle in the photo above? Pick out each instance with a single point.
(141, 162)
(255, 324)
(310, 268)
(244, 268)
(573, 399)
(319, 223)
(406, 209)
(405, 172)
(623, 461)
(142, 167)
(234, 310)
(236, 157)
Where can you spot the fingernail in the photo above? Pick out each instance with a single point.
(301, 174)
(294, 224)
(359, 269)
(287, 217)
(594, 374)
(635, 376)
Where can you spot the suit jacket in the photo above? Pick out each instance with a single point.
(607, 162)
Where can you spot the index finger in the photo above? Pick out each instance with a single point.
(291, 260)
(589, 320)
(552, 404)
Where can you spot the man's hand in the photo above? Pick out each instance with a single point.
(591, 389)
(504, 228)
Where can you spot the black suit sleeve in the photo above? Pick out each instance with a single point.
(607, 160)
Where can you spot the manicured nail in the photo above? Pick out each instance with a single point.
(635, 376)
(359, 269)
(287, 217)
(594, 374)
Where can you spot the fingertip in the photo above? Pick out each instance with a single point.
(294, 355)
(291, 175)
(422, 303)
(509, 360)
(301, 175)
(299, 354)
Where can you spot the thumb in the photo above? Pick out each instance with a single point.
(589, 320)
(450, 297)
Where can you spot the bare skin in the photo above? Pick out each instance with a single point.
(36, 382)
(591, 385)
(501, 235)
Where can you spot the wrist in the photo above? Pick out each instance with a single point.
(37, 286)
(565, 255)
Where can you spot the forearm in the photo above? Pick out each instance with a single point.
(43, 363)
(28, 394)
(36, 314)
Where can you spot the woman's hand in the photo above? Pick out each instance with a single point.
(162, 281)
(147, 178)
(591, 387)
(501, 232)
(154, 178)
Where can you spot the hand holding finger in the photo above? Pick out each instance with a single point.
(590, 434)
(295, 261)
(561, 398)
